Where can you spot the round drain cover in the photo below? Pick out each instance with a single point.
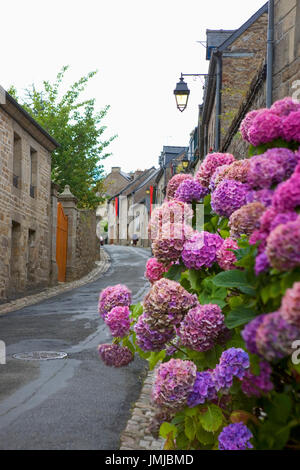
(40, 355)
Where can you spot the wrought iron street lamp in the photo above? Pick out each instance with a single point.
(182, 91)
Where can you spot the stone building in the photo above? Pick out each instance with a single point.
(26, 257)
(237, 64)
(170, 162)
(240, 63)
(286, 49)
(128, 210)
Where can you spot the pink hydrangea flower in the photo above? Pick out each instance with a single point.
(285, 107)
(210, 164)
(287, 195)
(174, 184)
(291, 127)
(225, 257)
(113, 296)
(258, 236)
(247, 123)
(169, 246)
(201, 250)
(265, 127)
(118, 321)
(174, 382)
(290, 306)
(237, 171)
(114, 355)
(283, 246)
(155, 270)
(165, 216)
(169, 298)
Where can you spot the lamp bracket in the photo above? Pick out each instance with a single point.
(196, 75)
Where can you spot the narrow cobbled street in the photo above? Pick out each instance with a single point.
(77, 402)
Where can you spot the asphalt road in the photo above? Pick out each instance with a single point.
(78, 402)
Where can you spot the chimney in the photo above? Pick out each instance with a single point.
(115, 169)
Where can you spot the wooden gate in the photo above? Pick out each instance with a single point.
(61, 242)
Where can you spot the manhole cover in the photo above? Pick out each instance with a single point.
(40, 355)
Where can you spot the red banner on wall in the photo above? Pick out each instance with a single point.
(117, 206)
(151, 199)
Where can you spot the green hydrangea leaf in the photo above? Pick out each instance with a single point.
(212, 419)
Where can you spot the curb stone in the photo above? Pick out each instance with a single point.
(102, 266)
(136, 435)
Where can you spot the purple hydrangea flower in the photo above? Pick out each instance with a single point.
(191, 190)
(291, 127)
(229, 196)
(118, 321)
(201, 327)
(274, 337)
(174, 382)
(113, 296)
(174, 184)
(272, 167)
(217, 173)
(256, 385)
(233, 363)
(115, 355)
(201, 250)
(285, 218)
(261, 263)
(264, 196)
(151, 339)
(249, 334)
(204, 390)
(236, 436)
(265, 127)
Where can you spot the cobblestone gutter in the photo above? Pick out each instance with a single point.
(136, 435)
(102, 267)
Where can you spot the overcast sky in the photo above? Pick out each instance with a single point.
(140, 47)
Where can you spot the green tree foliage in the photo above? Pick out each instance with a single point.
(76, 126)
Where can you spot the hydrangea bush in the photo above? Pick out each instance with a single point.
(221, 320)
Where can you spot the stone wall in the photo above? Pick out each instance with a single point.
(87, 243)
(25, 211)
(83, 243)
(287, 48)
(240, 64)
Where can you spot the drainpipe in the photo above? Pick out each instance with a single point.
(270, 54)
(218, 101)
